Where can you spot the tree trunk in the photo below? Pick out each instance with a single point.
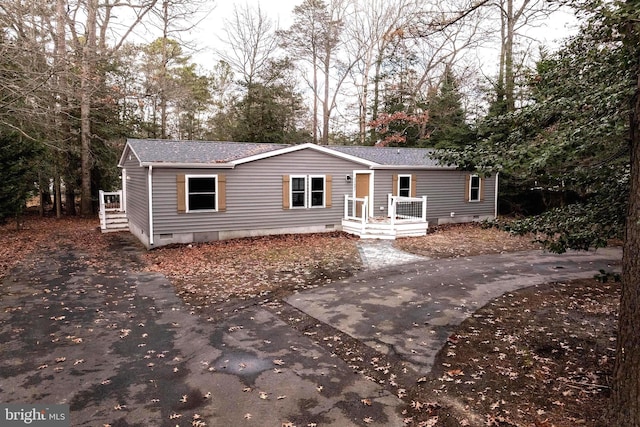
(315, 100)
(375, 105)
(364, 100)
(325, 103)
(626, 373)
(86, 76)
(165, 73)
(57, 195)
(509, 78)
(61, 117)
(70, 197)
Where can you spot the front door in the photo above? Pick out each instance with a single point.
(362, 190)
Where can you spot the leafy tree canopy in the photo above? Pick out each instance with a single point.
(571, 136)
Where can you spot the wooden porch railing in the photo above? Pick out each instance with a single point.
(356, 209)
(110, 201)
(406, 209)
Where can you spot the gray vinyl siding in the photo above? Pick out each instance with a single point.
(445, 191)
(137, 195)
(254, 195)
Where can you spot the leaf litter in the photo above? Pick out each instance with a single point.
(541, 356)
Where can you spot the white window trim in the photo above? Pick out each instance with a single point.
(471, 188)
(186, 192)
(324, 191)
(308, 191)
(399, 178)
(306, 184)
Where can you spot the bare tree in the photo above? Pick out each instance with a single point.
(250, 40)
(369, 33)
(91, 37)
(515, 16)
(316, 39)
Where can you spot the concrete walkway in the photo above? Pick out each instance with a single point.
(380, 254)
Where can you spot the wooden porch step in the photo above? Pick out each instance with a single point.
(114, 221)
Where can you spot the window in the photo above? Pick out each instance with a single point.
(474, 188)
(307, 191)
(298, 191)
(404, 185)
(201, 193)
(317, 191)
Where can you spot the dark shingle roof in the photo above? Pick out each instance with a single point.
(388, 156)
(169, 151)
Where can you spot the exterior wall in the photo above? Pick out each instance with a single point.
(137, 194)
(253, 200)
(446, 194)
(254, 204)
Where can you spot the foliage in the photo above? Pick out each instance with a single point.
(403, 114)
(399, 127)
(571, 137)
(17, 173)
(269, 109)
(447, 125)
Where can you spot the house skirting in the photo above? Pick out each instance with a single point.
(459, 219)
(210, 236)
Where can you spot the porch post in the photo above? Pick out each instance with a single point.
(365, 208)
(392, 210)
(346, 206)
(103, 214)
(424, 208)
(123, 194)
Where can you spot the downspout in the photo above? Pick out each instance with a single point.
(123, 196)
(496, 197)
(150, 198)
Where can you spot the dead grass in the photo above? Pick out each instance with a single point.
(460, 240)
(207, 273)
(538, 357)
(37, 234)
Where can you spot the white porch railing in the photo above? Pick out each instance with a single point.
(406, 217)
(110, 201)
(406, 209)
(356, 209)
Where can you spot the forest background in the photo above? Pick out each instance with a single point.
(78, 77)
(560, 125)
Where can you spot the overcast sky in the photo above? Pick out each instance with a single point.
(207, 33)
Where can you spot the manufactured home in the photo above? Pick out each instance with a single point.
(195, 191)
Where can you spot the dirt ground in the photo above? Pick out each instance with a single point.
(541, 356)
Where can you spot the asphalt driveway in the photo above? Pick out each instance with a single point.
(121, 349)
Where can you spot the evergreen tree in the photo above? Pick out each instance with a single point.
(18, 174)
(447, 126)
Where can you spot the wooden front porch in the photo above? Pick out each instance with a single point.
(112, 214)
(406, 217)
